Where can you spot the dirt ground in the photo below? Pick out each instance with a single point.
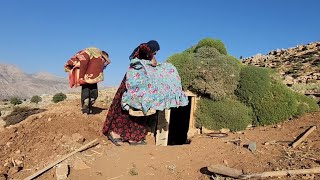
(42, 138)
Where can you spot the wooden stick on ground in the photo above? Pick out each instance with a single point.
(223, 170)
(82, 148)
(301, 139)
(282, 173)
(235, 173)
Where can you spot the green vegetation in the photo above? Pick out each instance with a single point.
(234, 95)
(221, 114)
(59, 97)
(36, 99)
(209, 42)
(15, 101)
(208, 72)
(271, 101)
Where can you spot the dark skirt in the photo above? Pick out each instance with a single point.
(119, 121)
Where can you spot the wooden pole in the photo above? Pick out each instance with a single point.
(223, 170)
(235, 173)
(301, 139)
(82, 148)
(282, 173)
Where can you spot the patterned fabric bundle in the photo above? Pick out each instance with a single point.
(151, 87)
(86, 67)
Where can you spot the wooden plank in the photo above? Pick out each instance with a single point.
(82, 148)
(315, 170)
(223, 170)
(301, 139)
(189, 93)
(235, 173)
(192, 113)
(163, 127)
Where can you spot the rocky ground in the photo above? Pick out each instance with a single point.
(60, 128)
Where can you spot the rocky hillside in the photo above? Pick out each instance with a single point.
(14, 82)
(297, 65)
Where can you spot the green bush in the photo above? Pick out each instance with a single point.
(227, 113)
(15, 101)
(191, 49)
(217, 76)
(185, 65)
(36, 99)
(208, 72)
(59, 97)
(209, 42)
(271, 101)
(305, 104)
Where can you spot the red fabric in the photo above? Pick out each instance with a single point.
(83, 70)
(74, 77)
(119, 121)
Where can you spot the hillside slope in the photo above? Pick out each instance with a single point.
(15, 82)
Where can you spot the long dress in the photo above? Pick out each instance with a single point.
(119, 121)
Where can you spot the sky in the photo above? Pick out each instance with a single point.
(40, 36)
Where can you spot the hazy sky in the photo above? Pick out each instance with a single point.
(39, 35)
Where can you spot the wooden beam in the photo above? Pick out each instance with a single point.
(163, 127)
(282, 173)
(302, 138)
(223, 170)
(189, 93)
(82, 148)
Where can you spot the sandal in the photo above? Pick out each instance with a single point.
(114, 140)
(135, 143)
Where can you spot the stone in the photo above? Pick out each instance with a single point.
(205, 130)
(224, 130)
(2, 177)
(62, 171)
(2, 123)
(76, 137)
(49, 119)
(78, 164)
(252, 146)
(19, 163)
(8, 144)
(225, 162)
(13, 170)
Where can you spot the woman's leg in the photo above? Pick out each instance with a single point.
(93, 95)
(85, 98)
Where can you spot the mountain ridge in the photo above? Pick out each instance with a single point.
(16, 83)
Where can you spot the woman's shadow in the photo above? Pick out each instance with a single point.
(97, 110)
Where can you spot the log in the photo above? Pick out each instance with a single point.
(282, 173)
(302, 138)
(82, 148)
(226, 171)
(235, 173)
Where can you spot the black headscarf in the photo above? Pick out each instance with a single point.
(145, 50)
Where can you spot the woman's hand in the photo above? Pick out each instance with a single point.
(154, 62)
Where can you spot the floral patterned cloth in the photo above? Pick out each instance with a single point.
(157, 87)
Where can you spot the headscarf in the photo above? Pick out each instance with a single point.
(145, 50)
